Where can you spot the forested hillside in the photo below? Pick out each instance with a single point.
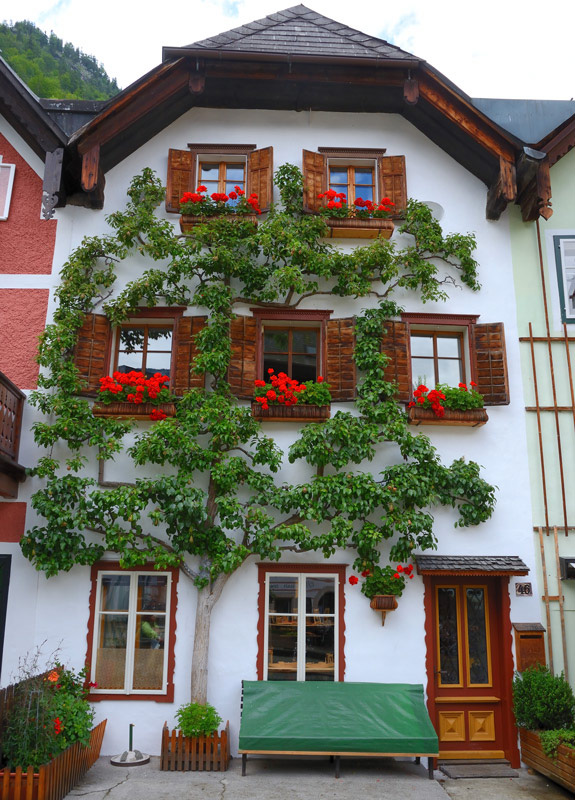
(51, 68)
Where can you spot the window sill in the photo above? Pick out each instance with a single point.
(473, 417)
(359, 228)
(297, 413)
(131, 410)
(188, 221)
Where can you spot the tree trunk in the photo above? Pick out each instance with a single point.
(207, 598)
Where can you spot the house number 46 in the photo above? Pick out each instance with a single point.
(523, 589)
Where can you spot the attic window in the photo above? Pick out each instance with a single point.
(6, 182)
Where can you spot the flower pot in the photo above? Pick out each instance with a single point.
(297, 413)
(131, 410)
(181, 752)
(472, 417)
(359, 228)
(562, 770)
(189, 221)
(383, 603)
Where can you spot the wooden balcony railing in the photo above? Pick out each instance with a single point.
(11, 409)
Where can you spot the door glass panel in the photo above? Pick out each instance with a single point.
(283, 594)
(477, 635)
(448, 636)
(282, 648)
(319, 648)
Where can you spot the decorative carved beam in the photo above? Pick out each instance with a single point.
(411, 91)
(90, 168)
(52, 192)
(534, 185)
(503, 191)
(197, 82)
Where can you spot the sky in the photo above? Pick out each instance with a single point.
(491, 48)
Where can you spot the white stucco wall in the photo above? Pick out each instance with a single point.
(58, 612)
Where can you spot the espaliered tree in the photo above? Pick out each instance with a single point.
(222, 500)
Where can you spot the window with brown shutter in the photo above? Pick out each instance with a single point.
(446, 348)
(355, 172)
(153, 340)
(302, 343)
(220, 167)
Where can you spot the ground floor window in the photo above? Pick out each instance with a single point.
(301, 622)
(132, 634)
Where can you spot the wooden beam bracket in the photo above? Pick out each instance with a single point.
(502, 191)
(52, 191)
(411, 91)
(534, 185)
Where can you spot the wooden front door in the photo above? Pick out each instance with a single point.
(470, 667)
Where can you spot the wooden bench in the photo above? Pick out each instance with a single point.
(335, 719)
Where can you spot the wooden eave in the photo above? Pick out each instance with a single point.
(559, 142)
(228, 79)
(22, 110)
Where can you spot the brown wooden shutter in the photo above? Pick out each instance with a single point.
(392, 182)
(395, 345)
(340, 367)
(242, 371)
(314, 179)
(260, 175)
(185, 352)
(490, 361)
(181, 177)
(92, 352)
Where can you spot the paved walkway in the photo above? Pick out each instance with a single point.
(301, 779)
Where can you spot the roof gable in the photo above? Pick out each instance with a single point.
(299, 30)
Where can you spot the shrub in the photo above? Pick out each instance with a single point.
(50, 713)
(197, 719)
(550, 741)
(542, 701)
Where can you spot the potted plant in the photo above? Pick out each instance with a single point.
(196, 744)
(131, 394)
(283, 398)
(447, 405)
(196, 207)
(544, 707)
(363, 219)
(383, 585)
(48, 741)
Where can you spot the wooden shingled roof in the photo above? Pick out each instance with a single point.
(299, 60)
(299, 30)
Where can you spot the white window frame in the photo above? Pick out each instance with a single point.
(130, 632)
(5, 201)
(567, 313)
(301, 619)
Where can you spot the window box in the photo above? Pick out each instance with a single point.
(359, 228)
(189, 221)
(297, 413)
(131, 410)
(472, 417)
(194, 753)
(56, 778)
(562, 771)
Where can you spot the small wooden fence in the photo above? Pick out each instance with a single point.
(181, 752)
(54, 780)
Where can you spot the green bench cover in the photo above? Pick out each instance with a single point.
(325, 717)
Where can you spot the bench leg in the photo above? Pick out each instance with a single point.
(337, 766)
(430, 768)
(244, 762)
(417, 760)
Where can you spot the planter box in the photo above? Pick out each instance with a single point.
(561, 771)
(297, 413)
(360, 228)
(473, 417)
(131, 410)
(383, 603)
(186, 753)
(54, 780)
(188, 221)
